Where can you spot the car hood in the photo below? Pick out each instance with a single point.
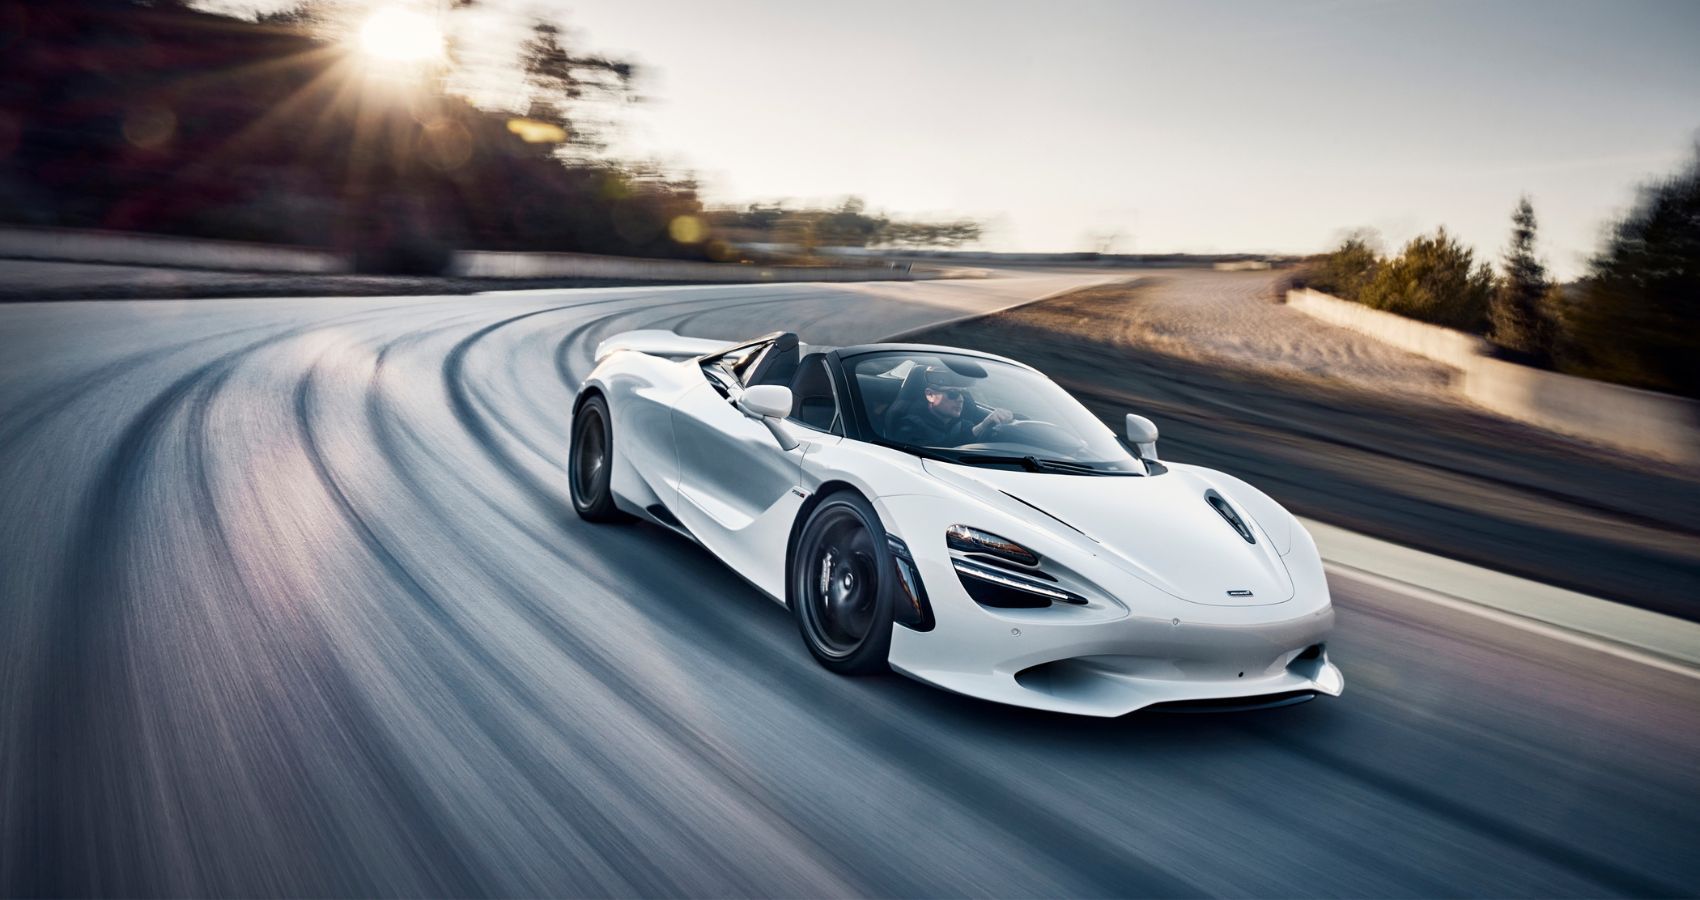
(1159, 528)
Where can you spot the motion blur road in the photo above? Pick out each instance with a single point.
(292, 601)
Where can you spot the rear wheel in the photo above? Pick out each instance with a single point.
(590, 463)
(840, 592)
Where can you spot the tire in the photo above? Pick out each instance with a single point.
(841, 586)
(590, 462)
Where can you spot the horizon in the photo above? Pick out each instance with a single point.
(1159, 127)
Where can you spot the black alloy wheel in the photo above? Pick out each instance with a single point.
(840, 589)
(590, 463)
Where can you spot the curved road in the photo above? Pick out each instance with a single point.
(292, 602)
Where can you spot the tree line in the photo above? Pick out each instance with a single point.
(847, 225)
(166, 119)
(1634, 318)
(156, 117)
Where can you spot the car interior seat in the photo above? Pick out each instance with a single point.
(779, 364)
(812, 401)
(909, 398)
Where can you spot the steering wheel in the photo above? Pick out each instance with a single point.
(1039, 433)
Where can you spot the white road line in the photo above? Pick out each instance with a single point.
(1611, 648)
(1626, 632)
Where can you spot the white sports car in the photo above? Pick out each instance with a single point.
(959, 517)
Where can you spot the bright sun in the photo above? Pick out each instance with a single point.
(401, 35)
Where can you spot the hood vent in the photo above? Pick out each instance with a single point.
(1227, 512)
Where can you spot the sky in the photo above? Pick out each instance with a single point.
(1169, 126)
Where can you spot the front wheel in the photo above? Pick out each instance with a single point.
(840, 592)
(590, 463)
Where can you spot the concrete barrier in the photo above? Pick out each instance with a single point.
(114, 247)
(1647, 422)
(504, 264)
(1454, 348)
(125, 248)
(1643, 421)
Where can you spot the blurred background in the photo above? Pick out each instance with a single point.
(1399, 140)
(296, 297)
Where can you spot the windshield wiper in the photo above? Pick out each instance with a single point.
(944, 454)
(993, 459)
(1064, 465)
(1032, 463)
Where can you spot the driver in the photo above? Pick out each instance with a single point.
(940, 422)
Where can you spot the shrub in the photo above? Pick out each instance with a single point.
(1435, 279)
(1348, 269)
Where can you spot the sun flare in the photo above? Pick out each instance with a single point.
(398, 34)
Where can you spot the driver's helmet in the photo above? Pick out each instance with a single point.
(939, 378)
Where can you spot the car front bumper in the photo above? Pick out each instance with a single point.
(1138, 648)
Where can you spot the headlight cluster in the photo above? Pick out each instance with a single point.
(973, 540)
(1000, 573)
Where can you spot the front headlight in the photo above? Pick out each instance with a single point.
(973, 540)
(983, 563)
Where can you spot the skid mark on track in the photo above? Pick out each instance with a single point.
(450, 633)
(28, 417)
(83, 798)
(609, 670)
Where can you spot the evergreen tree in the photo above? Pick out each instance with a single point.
(1637, 316)
(1517, 316)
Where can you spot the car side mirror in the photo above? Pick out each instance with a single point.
(1142, 433)
(769, 403)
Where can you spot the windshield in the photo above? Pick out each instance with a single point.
(981, 411)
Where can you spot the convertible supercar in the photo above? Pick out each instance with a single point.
(959, 517)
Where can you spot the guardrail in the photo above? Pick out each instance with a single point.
(125, 248)
(1647, 422)
(504, 264)
(1454, 348)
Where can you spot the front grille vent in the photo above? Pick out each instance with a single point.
(990, 560)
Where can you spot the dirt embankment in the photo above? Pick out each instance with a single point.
(1227, 318)
(1350, 432)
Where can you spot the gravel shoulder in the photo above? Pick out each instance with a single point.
(1229, 318)
(1346, 431)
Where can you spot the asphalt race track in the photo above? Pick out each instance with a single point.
(292, 602)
